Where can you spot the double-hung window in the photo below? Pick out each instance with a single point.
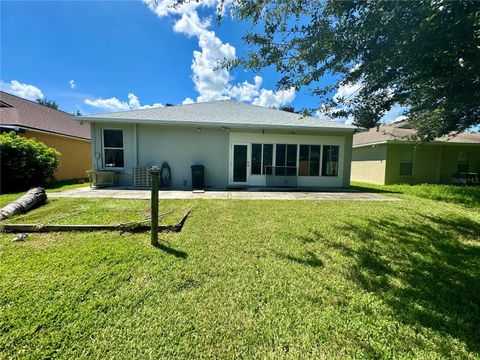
(406, 161)
(309, 162)
(330, 160)
(113, 148)
(262, 156)
(463, 162)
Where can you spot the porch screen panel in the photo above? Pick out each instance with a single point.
(291, 160)
(330, 160)
(256, 159)
(267, 158)
(303, 164)
(314, 160)
(280, 159)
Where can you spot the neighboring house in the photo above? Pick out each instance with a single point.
(54, 128)
(240, 145)
(390, 154)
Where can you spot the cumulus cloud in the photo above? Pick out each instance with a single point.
(72, 84)
(269, 98)
(25, 91)
(212, 82)
(187, 101)
(115, 104)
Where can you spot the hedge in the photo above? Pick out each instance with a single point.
(25, 163)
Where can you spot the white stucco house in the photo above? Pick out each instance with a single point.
(240, 145)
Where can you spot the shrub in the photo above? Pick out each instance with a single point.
(25, 162)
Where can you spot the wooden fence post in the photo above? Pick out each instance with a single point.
(155, 180)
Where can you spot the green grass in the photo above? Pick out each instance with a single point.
(252, 279)
(101, 212)
(463, 195)
(52, 187)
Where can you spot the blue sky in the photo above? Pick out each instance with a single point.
(102, 56)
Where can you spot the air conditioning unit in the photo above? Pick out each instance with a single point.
(141, 177)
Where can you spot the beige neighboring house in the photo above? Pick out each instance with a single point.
(56, 129)
(390, 154)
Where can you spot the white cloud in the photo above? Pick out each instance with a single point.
(187, 101)
(115, 104)
(25, 91)
(269, 98)
(212, 82)
(72, 84)
(347, 91)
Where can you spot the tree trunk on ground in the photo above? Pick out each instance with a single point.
(33, 198)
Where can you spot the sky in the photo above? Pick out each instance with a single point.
(103, 56)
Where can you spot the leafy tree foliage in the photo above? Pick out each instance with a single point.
(288, 108)
(424, 55)
(49, 103)
(25, 162)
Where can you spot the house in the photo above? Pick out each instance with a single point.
(239, 145)
(391, 154)
(54, 128)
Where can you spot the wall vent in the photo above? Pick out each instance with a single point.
(141, 177)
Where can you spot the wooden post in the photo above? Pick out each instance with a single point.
(155, 180)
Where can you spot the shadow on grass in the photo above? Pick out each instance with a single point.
(311, 259)
(172, 251)
(422, 271)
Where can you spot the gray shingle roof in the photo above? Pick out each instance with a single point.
(25, 113)
(219, 113)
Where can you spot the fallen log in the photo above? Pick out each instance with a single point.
(33, 198)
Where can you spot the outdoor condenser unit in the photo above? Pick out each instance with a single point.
(141, 177)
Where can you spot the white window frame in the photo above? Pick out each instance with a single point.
(112, 148)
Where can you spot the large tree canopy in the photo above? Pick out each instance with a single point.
(424, 55)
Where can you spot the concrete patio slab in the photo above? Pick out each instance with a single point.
(122, 193)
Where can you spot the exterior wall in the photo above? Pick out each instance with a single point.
(180, 147)
(342, 140)
(369, 164)
(75, 157)
(432, 163)
(183, 146)
(449, 154)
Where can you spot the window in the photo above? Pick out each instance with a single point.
(286, 160)
(463, 162)
(330, 160)
(309, 162)
(113, 148)
(262, 156)
(406, 161)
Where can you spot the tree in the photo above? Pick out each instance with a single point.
(288, 108)
(423, 55)
(77, 113)
(49, 103)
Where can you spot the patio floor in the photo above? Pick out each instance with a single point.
(123, 193)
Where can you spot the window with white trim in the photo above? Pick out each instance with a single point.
(113, 148)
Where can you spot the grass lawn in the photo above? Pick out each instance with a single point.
(248, 279)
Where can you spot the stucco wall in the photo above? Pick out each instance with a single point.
(181, 147)
(432, 163)
(369, 164)
(75, 157)
(449, 154)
